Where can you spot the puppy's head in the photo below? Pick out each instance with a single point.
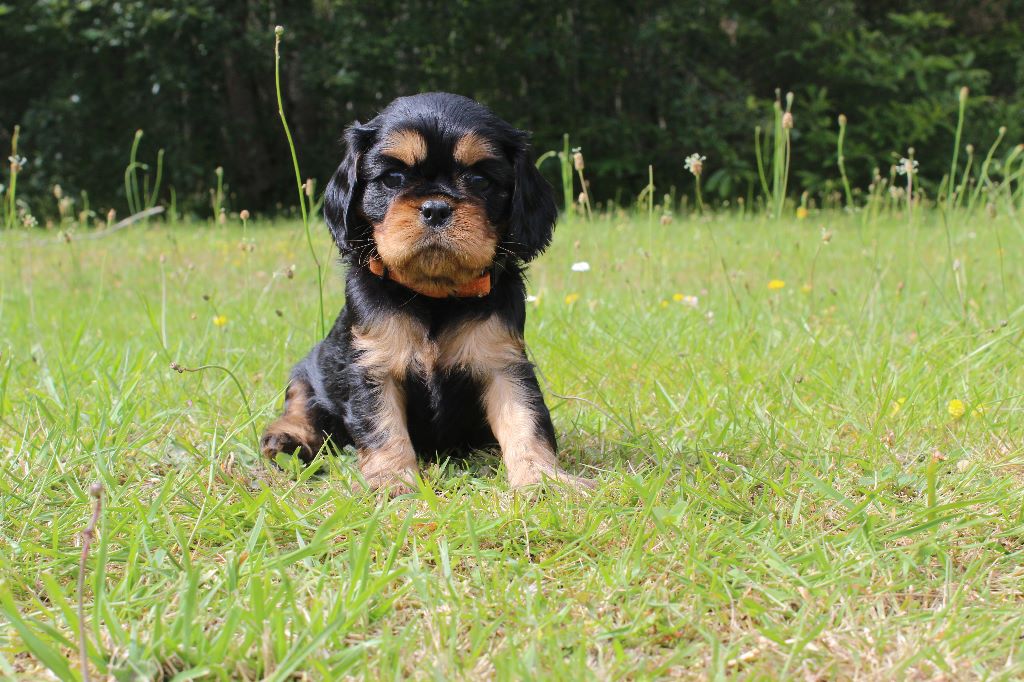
(437, 187)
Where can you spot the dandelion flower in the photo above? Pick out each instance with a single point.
(907, 166)
(582, 266)
(220, 320)
(776, 284)
(572, 298)
(577, 158)
(695, 164)
(802, 212)
(663, 303)
(956, 408)
(678, 298)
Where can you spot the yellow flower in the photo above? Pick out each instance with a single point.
(807, 288)
(774, 284)
(572, 298)
(897, 405)
(220, 320)
(802, 212)
(664, 303)
(678, 298)
(956, 408)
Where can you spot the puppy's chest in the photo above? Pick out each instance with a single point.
(399, 346)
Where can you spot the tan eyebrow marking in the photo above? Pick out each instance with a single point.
(472, 148)
(408, 146)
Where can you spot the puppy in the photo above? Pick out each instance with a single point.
(436, 208)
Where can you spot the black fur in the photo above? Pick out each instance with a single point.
(444, 411)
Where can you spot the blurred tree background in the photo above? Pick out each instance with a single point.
(637, 83)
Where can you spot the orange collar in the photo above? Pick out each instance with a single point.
(474, 288)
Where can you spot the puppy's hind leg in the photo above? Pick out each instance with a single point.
(297, 430)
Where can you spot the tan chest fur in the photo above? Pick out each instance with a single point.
(398, 344)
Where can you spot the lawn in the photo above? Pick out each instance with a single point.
(812, 470)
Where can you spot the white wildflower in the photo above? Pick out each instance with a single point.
(582, 266)
(695, 163)
(907, 166)
(531, 299)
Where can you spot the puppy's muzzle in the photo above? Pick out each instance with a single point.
(436, 214)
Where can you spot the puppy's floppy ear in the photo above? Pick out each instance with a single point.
(341, 198)
(533, 213)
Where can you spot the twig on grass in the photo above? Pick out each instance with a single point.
(96, 493)
(116, 227)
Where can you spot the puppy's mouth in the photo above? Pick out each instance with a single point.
(451, 251)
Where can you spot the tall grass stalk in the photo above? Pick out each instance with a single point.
(983, 179)
(841, 161)
(950, 189)
(566, 166)
(909, 168)
(577, 163)
(759, 155)
(781, 152)
(961, 189)
(11, 219)
(131, 179)
(154, 195)
(217, 197)
(278, 32)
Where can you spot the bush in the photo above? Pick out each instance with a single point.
(632, 83)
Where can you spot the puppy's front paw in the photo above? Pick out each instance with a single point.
(401, 482)
(530, 476)
(283, 437)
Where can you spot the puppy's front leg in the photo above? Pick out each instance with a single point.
(386, 456)
(521, 423)
(386, 351)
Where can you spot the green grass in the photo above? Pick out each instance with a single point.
(782, 489)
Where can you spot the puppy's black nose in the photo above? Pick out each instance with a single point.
(436, 213)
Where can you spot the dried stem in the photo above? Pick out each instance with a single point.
(96, 493)
(181, 369)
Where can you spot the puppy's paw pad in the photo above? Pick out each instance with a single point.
(274, 443)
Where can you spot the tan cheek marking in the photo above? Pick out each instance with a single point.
(471, 230)
(472, 148)
(398, 233)
(408, 146)
(483, 348)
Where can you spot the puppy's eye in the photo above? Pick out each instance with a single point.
(478, 182)
(393, 180)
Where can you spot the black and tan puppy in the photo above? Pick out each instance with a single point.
(436, 208)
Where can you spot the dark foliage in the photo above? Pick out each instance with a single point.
(633, 83)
